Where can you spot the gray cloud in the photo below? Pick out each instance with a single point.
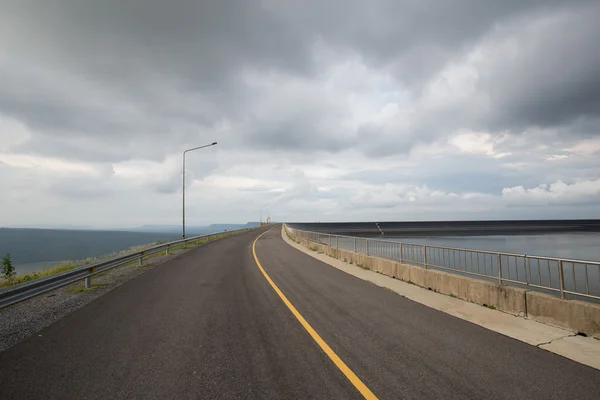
(299, 85)
(80, 188)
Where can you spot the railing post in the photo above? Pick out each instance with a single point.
(424, 256)
(400, 252)
(367, 240)
(140, 259)
(337, 242)
(167, 251)
(355, 245)
(329, 240)
(561, 279)
(499, 268)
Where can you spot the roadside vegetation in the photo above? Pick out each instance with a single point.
(10, 277)
(8, 270)
(62, 266)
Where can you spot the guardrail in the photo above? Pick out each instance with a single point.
(15, 294)
(557, 275)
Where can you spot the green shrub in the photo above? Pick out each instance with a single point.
(8, 270)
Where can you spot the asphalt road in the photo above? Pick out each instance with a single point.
(208, 325)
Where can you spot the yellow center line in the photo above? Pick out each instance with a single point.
(355, 380)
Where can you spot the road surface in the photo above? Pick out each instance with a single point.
(209, 325)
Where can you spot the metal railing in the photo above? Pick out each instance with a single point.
(561, 276)
(14, 294)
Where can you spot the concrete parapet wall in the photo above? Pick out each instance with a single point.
(512, 300)
(402, 272)
(579, 316)
(418, 276)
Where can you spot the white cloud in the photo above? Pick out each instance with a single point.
(556, 157)
(587, 147)
(53, 164)
(479, 143)
(557, 192)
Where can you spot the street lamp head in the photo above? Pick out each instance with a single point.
(183, 185)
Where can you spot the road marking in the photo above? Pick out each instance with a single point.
(355, 380)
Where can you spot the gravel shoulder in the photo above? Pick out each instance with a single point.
(25, 319)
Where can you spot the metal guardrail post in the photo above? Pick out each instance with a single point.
(355, 245)
(367, 240)
(499, 268)
(337, 242)
(561, 279)
(88, 280)
(167, 250)
(424, 256)
(329, 240)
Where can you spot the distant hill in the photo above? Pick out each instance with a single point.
(230, 227)
(192, 229)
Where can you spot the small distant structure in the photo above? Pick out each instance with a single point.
(267, 221)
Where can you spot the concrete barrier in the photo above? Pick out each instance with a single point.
(417, 276)
(512, 300)
(402, 272)
(579, 316)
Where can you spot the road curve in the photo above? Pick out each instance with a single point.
(207, 324)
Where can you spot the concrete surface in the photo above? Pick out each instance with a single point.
(551, 338)
(578, 348)
(571, 314)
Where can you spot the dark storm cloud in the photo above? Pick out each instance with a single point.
(415, 37)
(552, 77)
(198, 41)
(112, 79)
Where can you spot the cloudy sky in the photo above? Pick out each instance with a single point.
(333, 110)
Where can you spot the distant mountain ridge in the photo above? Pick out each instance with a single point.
(143, 228)
(191, 229)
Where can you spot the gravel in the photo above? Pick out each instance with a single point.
(25, 319)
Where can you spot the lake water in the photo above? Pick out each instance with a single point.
(35, 249)
(36, 266)
(580, 246)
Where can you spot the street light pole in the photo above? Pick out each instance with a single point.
(261, 208)
(183, 181)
